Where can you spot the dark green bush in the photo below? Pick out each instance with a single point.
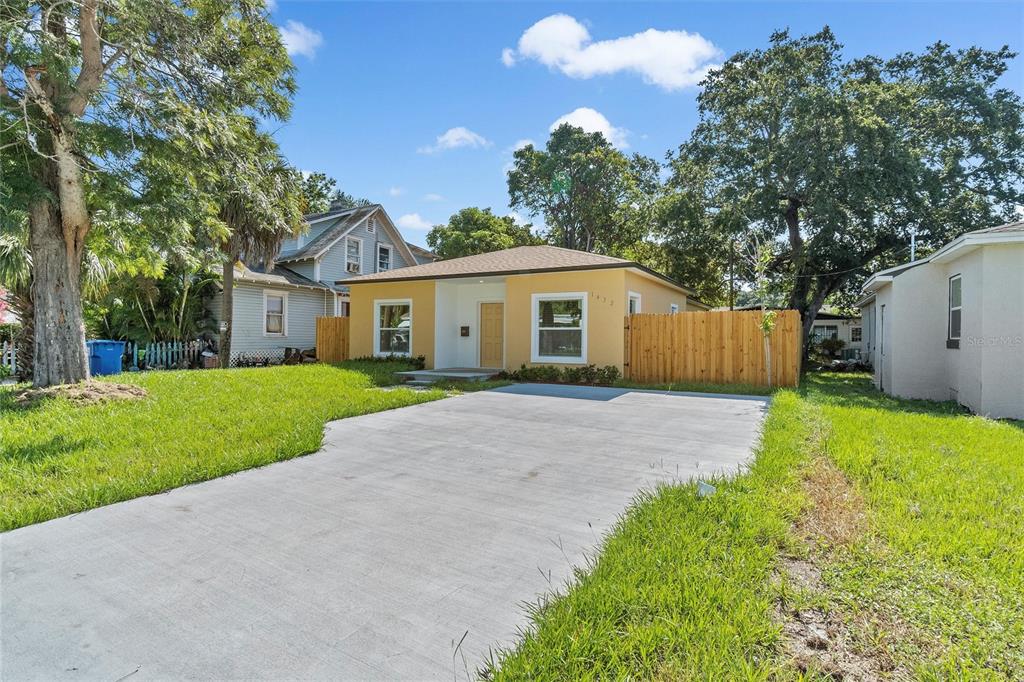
(588, 374)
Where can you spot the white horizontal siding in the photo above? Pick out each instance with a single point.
(304, 306)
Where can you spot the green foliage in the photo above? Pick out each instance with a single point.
(832, 345)
(552, 374)
(144, 309)
(474, 230)
(592, 196)
(59, 458)
(415, 363)
(688, 588)
(320, 192)
(840, 159)
(8, 331)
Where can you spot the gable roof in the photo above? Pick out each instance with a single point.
(518, 260)
(346, 219)
(420, 251)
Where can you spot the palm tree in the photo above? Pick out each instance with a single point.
(261, 206)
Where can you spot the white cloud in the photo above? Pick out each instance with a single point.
(433, 197)
(517, 218)
(413, 221)
(453, 138)
(396, 191)
(300, 39)
(593, 121)
(519, 144)
(672, 60)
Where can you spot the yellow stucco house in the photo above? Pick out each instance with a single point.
(532, 305)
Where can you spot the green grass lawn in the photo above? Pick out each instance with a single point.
(930, 581)
(57, 458)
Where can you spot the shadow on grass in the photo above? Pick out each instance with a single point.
(30, 453)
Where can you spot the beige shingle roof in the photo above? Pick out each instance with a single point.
(518, 260)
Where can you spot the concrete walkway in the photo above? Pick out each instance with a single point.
(411, 532)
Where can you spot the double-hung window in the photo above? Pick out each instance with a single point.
(955, 312)
(559, 328)
(392, 327)
(856, 335)
(353, 255)
(383, 258)
(820, 332)
(275, 313)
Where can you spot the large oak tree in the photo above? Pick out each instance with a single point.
(94, 94)
(841, 160)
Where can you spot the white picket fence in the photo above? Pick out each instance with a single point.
(8, 356)
(164, 355)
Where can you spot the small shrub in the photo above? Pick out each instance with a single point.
(589, 374)
(419, 362)
(607, 375)
(8, 331)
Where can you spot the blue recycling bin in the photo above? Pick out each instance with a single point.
(105, 356)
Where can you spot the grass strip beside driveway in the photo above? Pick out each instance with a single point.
(57, 458)
(928, 585)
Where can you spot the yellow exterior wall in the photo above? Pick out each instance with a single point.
(361, 311)
(606, 310)
(655, 296)
(607, 303)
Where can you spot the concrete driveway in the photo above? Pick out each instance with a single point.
(404, 549)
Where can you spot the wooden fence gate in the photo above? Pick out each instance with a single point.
(720, 347)
(331, 339)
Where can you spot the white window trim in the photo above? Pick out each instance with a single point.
(360, 242)
(639, 301)
(950, 308)
(535, 355)
(673, 308)
(391, 257)
(377, 303)
(861, 330)
(284, 312)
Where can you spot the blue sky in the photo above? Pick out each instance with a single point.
(415, 106)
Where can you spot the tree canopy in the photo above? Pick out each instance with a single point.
(320, 192)
(841, 159)
(474, 230)
(591, 196)
(98, 100)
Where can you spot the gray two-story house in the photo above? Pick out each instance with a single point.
(277, 308)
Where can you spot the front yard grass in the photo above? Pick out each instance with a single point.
(926, 581)
(57, 458)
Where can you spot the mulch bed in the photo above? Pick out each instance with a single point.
(85, 393)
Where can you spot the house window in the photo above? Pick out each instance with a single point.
(392, 327)
(673, 308)
(383, 258)
(340, 307)
(353, 255)
(560, 328)
(955, 312)
(820, 332)
(855, 334)
(634, 303)
(275, 313)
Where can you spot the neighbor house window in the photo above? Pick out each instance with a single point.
(353, 255)
(559, 327)
(955, 312)
(634, 303)
(673, 308)
(820, 332)
(275, 313)
(392, 327)
(383, 258)
(855, 334)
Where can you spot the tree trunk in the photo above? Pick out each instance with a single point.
(59, 355)
(226, 310)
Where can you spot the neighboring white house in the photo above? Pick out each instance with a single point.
(277, 309)
(847, 328)
(951, 326)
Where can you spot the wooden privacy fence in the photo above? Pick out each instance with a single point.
(331, 339)
(724, 347)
